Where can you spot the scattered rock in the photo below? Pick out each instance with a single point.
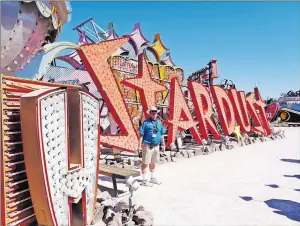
(143, 218)
(193, 152)
(161, 161)
(188, 153)
(109, 213)
(98, 205)
(123, 206)
(179, 155)
(130, 223)
(222, 147)
(173, 159)
(102, 196)
(100, 223)
(110, 202)
(212, 147)
(124, 218)
(167, 158)
(206, 150)
(184, 154)
(262, 139)
(140, 208)
(99, 213)
(116, 221)
(281, 136)
(250, 141)
(229, 145)
(241, 143)
(199, 151)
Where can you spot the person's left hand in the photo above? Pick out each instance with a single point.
(163, 148)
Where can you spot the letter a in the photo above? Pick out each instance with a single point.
(180, 117)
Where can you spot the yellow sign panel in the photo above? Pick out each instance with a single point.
(158, 47)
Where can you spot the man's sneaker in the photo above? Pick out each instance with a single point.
(146, 183)
(155, 181)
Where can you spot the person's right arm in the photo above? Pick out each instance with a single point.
(140, 143)
(141, 133)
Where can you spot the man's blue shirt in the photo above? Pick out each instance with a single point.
(146, 130)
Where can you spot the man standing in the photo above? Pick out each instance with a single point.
(151, 132)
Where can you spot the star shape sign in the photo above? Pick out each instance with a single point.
(144, 83)
(94, 57)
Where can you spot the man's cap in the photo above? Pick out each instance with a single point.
(153, 108)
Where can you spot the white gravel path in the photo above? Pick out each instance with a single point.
(207, 190)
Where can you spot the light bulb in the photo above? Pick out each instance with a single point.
(61, 114)
(60, 106)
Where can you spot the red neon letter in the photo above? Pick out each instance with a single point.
(238, 99)
(203, 109)
(260, 105)
(256, 107)
(224, 108)
(257, 127)
(180, 117)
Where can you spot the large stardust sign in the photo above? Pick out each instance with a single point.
(233, 107)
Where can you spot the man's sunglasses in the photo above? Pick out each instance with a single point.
(153, 112)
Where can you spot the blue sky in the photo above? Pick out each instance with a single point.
(254, 42)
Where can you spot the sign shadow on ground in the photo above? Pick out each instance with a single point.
(291, 160)
(287, 208)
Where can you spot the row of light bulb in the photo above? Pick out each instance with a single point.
(53, 112)
(89, 119)
(91, 116)
(89, 100)
(53, 133)
(90, 130)
(76, 182)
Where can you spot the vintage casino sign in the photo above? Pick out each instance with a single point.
(125, 68)
(60, 143)
(272, 111)
(125, 65)
(233, 106)
(16, 202)
(52, 167)
(50, 132)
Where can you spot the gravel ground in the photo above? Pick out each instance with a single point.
(257, 184)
